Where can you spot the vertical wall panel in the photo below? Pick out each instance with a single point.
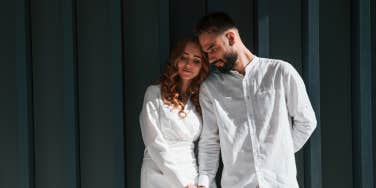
(184, 17)
(14, 130)
(373, 35)
(311, 73)
(286, 30)
(53, 91)
(100, 93)
(335, 70)
(117, 98)
(263, 27)
(70, 106)
(362, 94)
(10, 156)
(10, 169)
(164, 33)
(141, 68)
(15, 159)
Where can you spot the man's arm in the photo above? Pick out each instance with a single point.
(209, 149)
(299, 107)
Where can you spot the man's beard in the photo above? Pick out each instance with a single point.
(229, 62)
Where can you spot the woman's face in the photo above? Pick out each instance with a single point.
(190, 62)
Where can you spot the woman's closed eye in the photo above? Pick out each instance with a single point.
(183, 58)
(194, 60)
(197, 61)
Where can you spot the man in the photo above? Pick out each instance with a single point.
(256, 111)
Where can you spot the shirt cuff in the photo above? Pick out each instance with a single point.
(203, 180)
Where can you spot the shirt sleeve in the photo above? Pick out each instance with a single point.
(154, 140)
(299, 107)
(209, 149)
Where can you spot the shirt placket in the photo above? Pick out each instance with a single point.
(247, 93)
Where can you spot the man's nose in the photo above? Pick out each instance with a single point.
(211, 57)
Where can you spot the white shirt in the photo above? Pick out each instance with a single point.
(258, 121)
(169, 159)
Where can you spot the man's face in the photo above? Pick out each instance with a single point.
(218, 50)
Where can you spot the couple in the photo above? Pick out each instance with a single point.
(254, 111)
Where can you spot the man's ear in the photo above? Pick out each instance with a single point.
(230, 35)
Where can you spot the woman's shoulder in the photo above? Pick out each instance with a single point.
(153, 91)
(154, 87)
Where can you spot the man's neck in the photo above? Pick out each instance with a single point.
(244, 58)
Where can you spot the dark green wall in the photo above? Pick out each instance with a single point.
(335, 72)
(373, 17)
(142, 58)
(100, 95)
(54, 132)
(72, 83)
(9, 155)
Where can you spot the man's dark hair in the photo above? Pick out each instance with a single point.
(216, 22)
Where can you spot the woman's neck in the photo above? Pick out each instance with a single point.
(184, 86)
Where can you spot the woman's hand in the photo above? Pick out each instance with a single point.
(190, 186)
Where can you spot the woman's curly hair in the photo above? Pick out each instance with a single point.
(170, 80)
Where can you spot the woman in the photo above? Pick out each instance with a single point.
(171, 120)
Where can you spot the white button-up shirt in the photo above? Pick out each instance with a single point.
(258, 121)
(169, 159)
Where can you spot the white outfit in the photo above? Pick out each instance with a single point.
(169, 159)
(261, 119)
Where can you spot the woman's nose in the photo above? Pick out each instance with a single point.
(188, 63)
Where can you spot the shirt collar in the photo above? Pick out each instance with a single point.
(251, 64)
(248, 67)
